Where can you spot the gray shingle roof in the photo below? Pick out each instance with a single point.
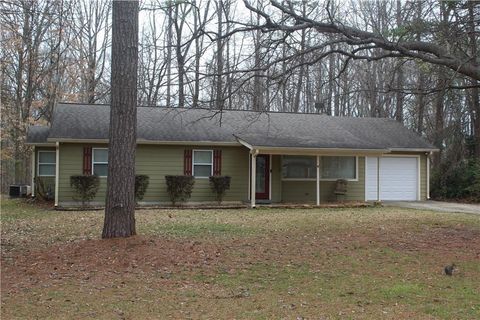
(77, 121)
(37, 134)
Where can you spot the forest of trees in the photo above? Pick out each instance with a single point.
(414, 61)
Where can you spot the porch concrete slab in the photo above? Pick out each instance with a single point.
(440, 206)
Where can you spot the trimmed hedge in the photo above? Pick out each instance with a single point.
(85, 186)
(141, 185)
(179, 187)
(220, 185)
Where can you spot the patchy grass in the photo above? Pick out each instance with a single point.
(271, 263)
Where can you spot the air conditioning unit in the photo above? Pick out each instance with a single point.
(19, 190)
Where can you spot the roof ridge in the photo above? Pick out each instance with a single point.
(232, 110)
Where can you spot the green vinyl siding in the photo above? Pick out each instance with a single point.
(298, 191)
(71, 163)
(276, 178)
(48, 182)
(159, 161)
(305, 191)
(156, 162)
(423, 177)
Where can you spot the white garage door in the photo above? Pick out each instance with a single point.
(398, 178)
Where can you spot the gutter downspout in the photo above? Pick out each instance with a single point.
(57, 170)
(428, 174)
(318, 180)
(253, 159)
(33, 171)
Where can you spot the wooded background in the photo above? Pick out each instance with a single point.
(414, 61)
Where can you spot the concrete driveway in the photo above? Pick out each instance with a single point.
(435, 206)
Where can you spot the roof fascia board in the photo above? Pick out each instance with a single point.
(71, 140)
(140, 141)
(318, 151)
(189, 143)
(40, 144)
(413, 150)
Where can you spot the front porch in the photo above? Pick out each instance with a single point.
(293, 178)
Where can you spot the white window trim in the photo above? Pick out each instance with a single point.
(97, 162)
(325, 179)
(38, 164)
(202, 163)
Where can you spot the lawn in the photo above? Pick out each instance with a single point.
(364, 263)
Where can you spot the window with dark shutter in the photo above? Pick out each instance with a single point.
(217, 162)
(87, 161)
(187, 162)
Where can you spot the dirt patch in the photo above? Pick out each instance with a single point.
(98, 260)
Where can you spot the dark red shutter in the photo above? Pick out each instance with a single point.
(187, 162)
(217, 162)
(87, 160)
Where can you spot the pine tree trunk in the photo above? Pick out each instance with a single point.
(196, 82)
(399, 97)
(475, 101)
(219, 87)
(169, 55)
(120, 202)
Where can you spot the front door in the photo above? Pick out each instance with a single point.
(262, 186)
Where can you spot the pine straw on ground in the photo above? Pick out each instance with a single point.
(372, 263)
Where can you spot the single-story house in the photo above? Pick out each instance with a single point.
(297, 158)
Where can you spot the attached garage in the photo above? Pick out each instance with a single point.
(393, 178)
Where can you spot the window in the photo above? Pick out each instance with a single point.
(295, 167)
(100, 162)
(339, 168)
(331, 168)
(202, 163)
(46, 163)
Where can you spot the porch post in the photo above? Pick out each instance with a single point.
(378, 178)
(57, 170)
(252, 179)
(428, 175)
(33, 171)
(318, 180)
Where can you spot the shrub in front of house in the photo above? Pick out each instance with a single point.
(141, 185)
(85, 186)
(457, 181)
(179, 188)
(220, 185)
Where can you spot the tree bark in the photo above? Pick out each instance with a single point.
(120, 202)
(196, 90)
(257, 79)
(331, 74)
(296, 103)
(475, 93)
(219, 84)
(399, 97)
(178, 23)
(420, 101)
(439, 117)
(169, 54)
